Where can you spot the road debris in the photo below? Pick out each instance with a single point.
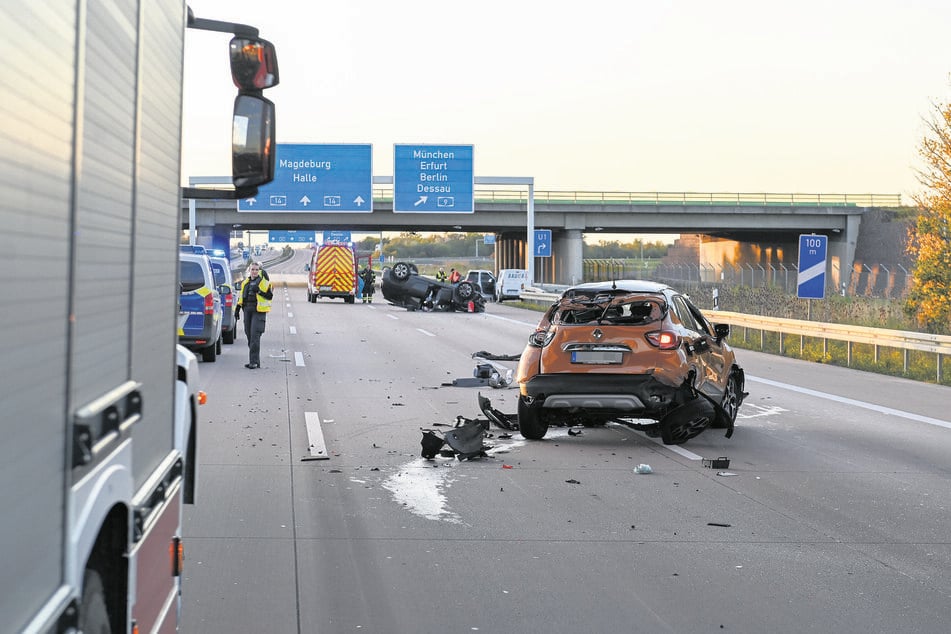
(505, 421)
(465, 440)
(717, 463)
(643, 468)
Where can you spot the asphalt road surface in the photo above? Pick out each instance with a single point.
(833, 515)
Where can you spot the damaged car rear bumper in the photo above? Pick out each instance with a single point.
(634, 394)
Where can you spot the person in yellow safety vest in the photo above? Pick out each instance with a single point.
(255, 299)
(441, 275)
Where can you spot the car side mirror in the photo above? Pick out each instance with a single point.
(722, 331)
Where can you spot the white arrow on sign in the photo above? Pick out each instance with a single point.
(814, 271)
(421, 200)
(305, 200)
(251, 201)
(359, 200)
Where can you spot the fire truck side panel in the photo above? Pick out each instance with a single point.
(154, 313)
(89, 195)
(35, 175)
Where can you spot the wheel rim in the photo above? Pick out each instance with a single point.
(729, 403)
(690, 430)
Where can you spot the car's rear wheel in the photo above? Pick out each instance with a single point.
(218, 346)
(464, 291)
(208, 354)
(730, 404)
(531, 421)
(349, 299)
(687, 421)
(228, 337)
(401, 271)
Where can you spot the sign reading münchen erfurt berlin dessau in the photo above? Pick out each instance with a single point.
(433, 179)
(318, 177)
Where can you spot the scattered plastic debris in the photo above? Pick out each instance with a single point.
(431, 444)
(505, 421)
(726, 474)
(466, 437)
(643, 468)
(507, 466)
(572, 481)
(572, 432)
(719, 524)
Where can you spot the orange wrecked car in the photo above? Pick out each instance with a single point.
(630, 351)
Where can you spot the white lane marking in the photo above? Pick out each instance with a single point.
(514, 321)
(850, 401)
(315, 438)
(392, 316)
(288, 304)
(290, 315)
(299, 359)
(292, 329)
(426, 332)
(689, 455)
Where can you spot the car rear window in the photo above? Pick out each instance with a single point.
(219, 273)
(605, 309)
(190, 276)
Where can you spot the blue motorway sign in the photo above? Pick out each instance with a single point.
(433, 178)
(488, 238)
(542, 243)
(811, 281)
(337, 235)
(317, 177)
(291, 235)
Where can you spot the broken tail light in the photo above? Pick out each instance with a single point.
(540, 338)
(663, 339)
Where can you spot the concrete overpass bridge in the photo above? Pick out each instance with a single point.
(755, 228)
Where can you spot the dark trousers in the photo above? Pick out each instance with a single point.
(254, 323)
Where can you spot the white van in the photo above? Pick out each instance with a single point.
(510, 283)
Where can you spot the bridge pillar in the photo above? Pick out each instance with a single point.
(567, 255)
(842, 252)
(510, 251)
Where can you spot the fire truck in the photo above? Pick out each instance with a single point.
(99, 404)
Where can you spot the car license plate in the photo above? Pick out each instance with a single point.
(595, 356)
(326, 288)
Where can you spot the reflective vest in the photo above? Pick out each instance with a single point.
(264, 304)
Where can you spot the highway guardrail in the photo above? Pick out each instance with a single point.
(939, 345)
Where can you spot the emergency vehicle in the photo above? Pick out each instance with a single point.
(332, 272)
(99, 404)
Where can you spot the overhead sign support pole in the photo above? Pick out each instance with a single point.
(528, 181)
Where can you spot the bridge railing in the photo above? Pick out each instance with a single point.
(501, 195)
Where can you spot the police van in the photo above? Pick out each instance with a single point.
(199, 306)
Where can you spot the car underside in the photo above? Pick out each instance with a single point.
(402, 285)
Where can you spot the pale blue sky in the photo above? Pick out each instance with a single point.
(729, 96)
